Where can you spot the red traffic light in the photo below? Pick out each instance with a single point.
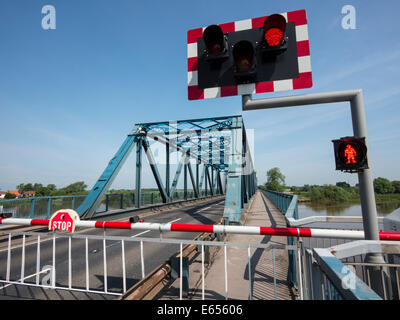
(274, 29)
(243, 55)
(278, 50)
(214, 39)
(350, 154)
(351, 151)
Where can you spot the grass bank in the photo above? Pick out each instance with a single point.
(332, 194)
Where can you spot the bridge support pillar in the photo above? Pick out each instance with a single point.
(234, 187)
(138, 171)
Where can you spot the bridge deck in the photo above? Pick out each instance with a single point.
(263, 287)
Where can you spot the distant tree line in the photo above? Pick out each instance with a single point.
(384, 186)
(340, 192)
(50, 190)
(331, 193)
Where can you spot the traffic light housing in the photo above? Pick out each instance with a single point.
(244, 69)
(266, 53)
(350, 154)
(274, 41)
(256, 55)
(215, 43)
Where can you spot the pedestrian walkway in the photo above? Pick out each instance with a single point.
(261, 212)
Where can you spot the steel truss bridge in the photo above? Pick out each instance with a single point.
(218, 147)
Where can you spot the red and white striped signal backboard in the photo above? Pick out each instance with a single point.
(303, 79)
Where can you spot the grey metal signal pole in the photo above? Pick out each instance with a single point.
(367, 195)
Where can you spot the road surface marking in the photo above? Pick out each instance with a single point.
(32, 275)
(136, 235)
(206, 208)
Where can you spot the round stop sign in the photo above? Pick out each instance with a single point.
(63, 220)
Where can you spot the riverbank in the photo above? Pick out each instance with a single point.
(385, 203)
(334, 194)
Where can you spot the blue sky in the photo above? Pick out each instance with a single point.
(69, 96)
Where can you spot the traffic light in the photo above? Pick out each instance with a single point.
(274, 41)
(257, 55)
(215, 42)
(265, 53)
(274, 29)
(350, 154)
(243, 57)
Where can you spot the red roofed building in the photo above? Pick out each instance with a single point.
(15, 192)
(29, 193)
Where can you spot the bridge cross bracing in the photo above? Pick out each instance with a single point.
(218, 146)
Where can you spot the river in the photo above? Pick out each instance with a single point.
(307, 209)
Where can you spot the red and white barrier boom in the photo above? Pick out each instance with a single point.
(62, 220)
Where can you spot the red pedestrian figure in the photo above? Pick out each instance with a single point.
(350, 153)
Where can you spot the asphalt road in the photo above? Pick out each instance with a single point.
(208, 212)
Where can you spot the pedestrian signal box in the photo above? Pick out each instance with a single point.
(350, 154)
(265, 54)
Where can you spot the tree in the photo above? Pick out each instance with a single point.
(274, 186)
(28, 187)
(329, 193)
(275, 174)
(76, 187)
(382, 185)
(37, 186)
(342, 184)
(295, 189)
(43, 192)
(10, 196)
(275, 180)
(52, 187)
(396, 186)
(20, 188)
(316, 194)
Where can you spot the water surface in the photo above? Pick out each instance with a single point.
(309, 209)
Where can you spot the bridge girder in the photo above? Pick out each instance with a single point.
(218, 144)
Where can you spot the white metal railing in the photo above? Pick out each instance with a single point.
(18, 241)
(31, 256)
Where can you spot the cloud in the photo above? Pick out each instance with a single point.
(51, 134)
(374, 100)
(288, 124)
(353, 67)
